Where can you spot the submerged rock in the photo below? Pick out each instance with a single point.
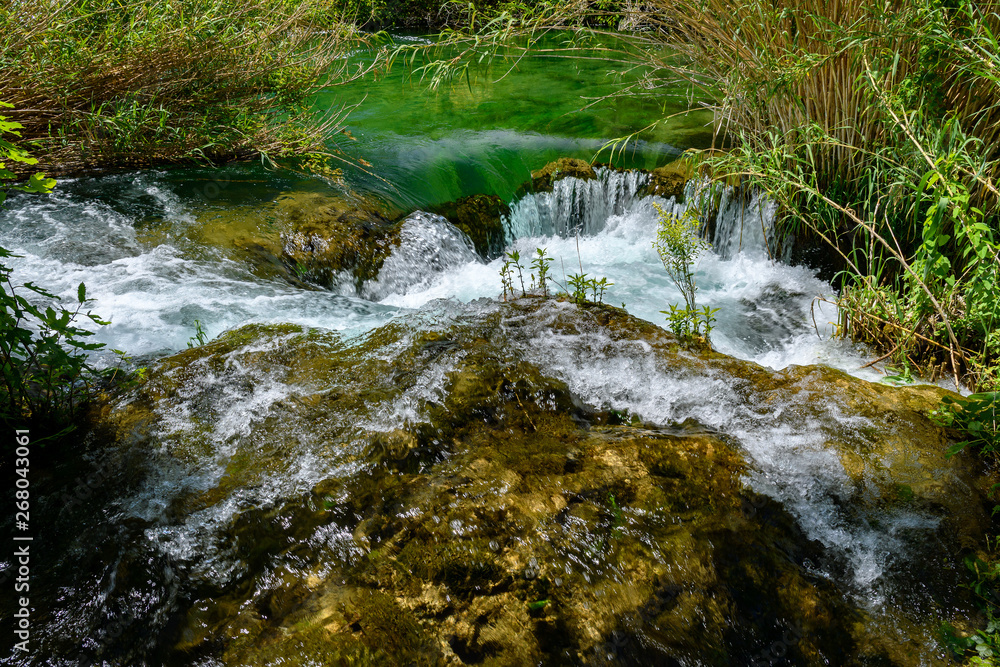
(444, 491)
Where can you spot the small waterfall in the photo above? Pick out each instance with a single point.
(429, 245)
(743, 219)
(575, 205)
(745, 223)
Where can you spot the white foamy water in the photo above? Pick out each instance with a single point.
(154, 288)
(154, 291)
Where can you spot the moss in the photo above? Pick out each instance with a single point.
(481, 218)
(669, 180)
(509, 491)
(329, 236)
(543, 179)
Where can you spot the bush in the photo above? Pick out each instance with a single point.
(44, 373)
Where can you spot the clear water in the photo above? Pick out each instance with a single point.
(487, 132)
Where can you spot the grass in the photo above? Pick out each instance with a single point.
(100, 84)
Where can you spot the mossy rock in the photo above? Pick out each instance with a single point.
(481, 218)
(329, 238)
(669, 180)
(307, 238)
(543, 179)
(475, 510)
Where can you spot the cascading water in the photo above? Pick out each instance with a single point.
(575, 206)
(153, 284)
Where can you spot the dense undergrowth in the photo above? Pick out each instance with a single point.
(133, 83)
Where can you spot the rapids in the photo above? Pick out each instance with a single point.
(156, 551)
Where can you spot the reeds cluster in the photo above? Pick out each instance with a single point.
(102, 84)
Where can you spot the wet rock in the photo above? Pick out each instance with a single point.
(542, 179)
(328, 238)
(435, 493)
(481, 217)
(310, 239)
(669, 180)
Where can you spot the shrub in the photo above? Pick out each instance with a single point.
(44, 372)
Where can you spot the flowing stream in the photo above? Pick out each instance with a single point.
(138, 241)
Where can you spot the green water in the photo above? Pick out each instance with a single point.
(486, 132)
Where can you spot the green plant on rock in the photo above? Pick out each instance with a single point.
(199, 338)
(541, 264)
(511, 262)
(679, 244)
(579, 284)
(599, 288)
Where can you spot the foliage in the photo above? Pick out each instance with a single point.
(679, 244)
(124, 83)
(581, 284)
(541, 264)
(10, 152)
(415, 14)
(876, 128)
(45, 373)
(976, 417)
(200, 336)
(512, 262)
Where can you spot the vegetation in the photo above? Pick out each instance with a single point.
(578, 285)
(679, 243)
(131, 83)
(876, 128)
(45, 376)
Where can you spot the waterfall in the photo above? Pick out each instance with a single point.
(737, 219)
(745, 223)
(429, 246)
(575, 205)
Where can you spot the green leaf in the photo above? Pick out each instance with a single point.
(81, 293)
